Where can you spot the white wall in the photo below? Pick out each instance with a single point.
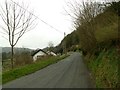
(40, 53)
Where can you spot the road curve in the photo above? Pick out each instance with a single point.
(68, 73)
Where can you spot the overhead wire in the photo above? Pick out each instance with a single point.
(39, 18)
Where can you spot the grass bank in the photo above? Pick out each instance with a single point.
(103, 61)
(28, 69)
(104, 68)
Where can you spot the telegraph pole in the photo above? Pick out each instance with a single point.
(64, 47)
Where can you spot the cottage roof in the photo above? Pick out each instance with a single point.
(36, 51)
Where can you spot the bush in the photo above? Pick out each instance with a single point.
(22, 59)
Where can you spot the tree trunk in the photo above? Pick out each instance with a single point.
(12, 54)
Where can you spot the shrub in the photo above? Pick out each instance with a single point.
(22, 59)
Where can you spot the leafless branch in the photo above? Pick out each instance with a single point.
(17, 21)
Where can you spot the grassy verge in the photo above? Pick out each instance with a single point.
(104, 68)
(28, 69)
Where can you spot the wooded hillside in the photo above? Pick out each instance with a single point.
(94, 30)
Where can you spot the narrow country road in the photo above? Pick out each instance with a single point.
(68, 73)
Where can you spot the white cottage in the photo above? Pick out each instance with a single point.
(51, 53)
(38, 53)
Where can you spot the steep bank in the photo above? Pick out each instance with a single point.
(104, 67)
(99, 41)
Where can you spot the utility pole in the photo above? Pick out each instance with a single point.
(64, 46)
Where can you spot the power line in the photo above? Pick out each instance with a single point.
(38, 18)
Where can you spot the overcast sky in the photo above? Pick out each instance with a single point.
(52, 12)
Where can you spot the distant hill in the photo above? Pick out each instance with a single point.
(16, 49)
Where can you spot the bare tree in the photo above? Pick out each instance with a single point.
(83, 15)
(51, 45)
(17, 21)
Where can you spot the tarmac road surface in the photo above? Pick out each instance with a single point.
(68, 73)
